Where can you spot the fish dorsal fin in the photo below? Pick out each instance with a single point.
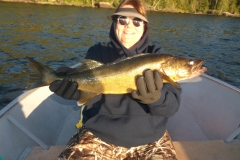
(88, 64)
(137, 55)
(91, 63)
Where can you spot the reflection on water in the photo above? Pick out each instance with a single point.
(61, 35)
(215, 39)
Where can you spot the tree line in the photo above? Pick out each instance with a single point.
(189, 6)
(196, 6)
(183, 6)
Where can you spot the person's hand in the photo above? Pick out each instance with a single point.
(149, 87)
(65, 71)
(65, 88)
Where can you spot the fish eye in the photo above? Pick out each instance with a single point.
(191, 62)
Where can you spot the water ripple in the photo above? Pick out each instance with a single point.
(61, 35)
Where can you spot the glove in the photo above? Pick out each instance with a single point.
(65, 71)
(149, 87)
(65, 88)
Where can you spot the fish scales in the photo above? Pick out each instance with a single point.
(95, 78)
(119, 77)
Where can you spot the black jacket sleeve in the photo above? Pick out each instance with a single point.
(169, 102)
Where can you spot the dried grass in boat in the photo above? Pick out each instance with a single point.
(86, 146)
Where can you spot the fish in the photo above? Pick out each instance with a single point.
(119, 77)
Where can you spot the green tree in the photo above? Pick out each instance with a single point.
(233, 6)
(203, 6)
(223, 6)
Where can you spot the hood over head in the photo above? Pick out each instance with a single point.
(135, 49)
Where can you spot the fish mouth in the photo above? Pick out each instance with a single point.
(198, 69)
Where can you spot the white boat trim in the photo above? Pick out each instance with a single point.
(25, 153)
(232, 136)
(222, 82)
(16, 100)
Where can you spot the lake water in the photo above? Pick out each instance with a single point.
(61, 35)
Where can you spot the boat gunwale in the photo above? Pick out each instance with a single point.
(221, 82)
(16, 100)
(25, 94)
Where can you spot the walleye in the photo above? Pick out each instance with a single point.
(94, 78)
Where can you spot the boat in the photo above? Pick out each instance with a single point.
(38, 124)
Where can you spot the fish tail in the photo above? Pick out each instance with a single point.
(40, 75)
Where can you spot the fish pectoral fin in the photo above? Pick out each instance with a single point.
(168, 79)
(86, 96)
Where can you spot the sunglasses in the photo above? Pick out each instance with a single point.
(137, 22)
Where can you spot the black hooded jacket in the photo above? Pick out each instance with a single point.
(118, 118)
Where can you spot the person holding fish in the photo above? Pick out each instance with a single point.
(121, 125)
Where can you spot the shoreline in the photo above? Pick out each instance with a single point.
(109, 6)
